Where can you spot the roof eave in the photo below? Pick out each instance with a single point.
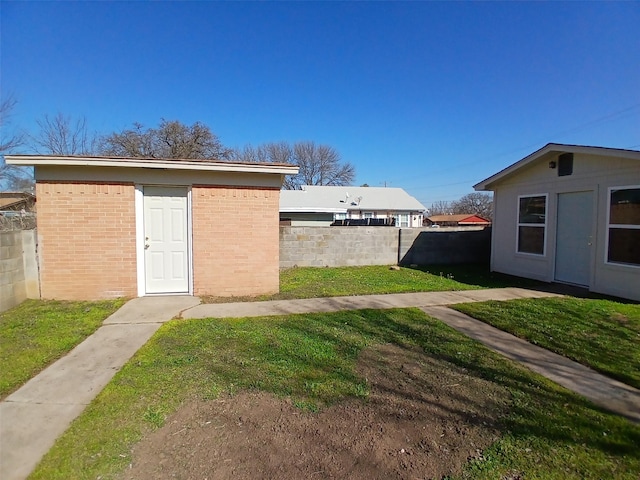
(487, 183)
(55, 161)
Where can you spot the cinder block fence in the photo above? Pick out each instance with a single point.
(18, 268)
(347, 246)
(299, 246)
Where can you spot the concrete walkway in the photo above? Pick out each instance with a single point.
(610, 394)
(43, 408)
(35, 415)
(335, 304)
(606, 392)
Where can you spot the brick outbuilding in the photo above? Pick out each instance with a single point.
(113, 227)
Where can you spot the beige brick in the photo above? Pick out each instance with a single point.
(82, 255)
(233, 253)
(87, 240)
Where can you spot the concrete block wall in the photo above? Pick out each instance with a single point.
(351, 246)
(18, 268)
(444, 246)
(87, 238)
(235, 240)
(338, 246)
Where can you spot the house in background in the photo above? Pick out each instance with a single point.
(126, 227)
(17, 211)
(570, 214)
(17, 202)
(333, 205)
(462, 220)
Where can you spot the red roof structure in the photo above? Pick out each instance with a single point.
(461, 220)
(16, 201)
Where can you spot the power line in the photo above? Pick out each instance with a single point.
(600, 120)
(604, 119)
(422, 187)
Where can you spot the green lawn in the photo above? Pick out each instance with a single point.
(602, 334)
(35, 333)
(548, 433)
(310, 282)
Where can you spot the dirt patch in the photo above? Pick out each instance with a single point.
(424, 418)
(620, 318)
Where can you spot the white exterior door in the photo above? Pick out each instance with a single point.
(573, 238)
(166, 254)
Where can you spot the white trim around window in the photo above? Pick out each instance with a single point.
(620, 230)
(402, 220)
(529, 221)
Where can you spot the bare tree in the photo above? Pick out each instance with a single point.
(12, 178)
(248, 154)
(172, 139)
(319, 164)
(475, 203)
(280, 152)
(9, 140)
(61, 135)
(441, 207)
(135, 142)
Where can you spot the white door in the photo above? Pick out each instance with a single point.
(166, 256)
(573, 238)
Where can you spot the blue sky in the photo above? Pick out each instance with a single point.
(431, 97)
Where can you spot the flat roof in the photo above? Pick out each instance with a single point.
(155, 163)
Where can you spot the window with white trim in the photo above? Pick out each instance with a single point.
(340, 216)
(532, 224)
(402, 220)
(623, 228)
(368, 215)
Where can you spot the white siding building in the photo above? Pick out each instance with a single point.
(570, 214)
(325, 205)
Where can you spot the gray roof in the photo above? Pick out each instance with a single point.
(341, 199)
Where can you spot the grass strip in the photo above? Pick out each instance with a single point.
(601, 334)
(36, 333)
(313, 282)
(549, 432)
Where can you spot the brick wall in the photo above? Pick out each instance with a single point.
(235, 240)
(87, 240)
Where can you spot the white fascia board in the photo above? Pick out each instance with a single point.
(34, 160)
